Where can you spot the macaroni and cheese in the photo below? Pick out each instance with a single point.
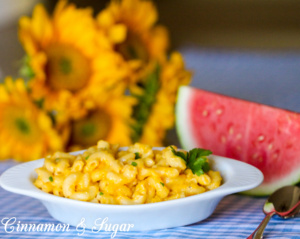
(138, 175)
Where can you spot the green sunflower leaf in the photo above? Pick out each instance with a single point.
(26, 70)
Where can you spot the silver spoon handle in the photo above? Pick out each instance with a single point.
(258, 233)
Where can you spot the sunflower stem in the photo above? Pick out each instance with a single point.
(142, 110)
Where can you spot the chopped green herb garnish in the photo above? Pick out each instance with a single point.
(50, 179)
(87, 157)
(179, 154)
(137, 155)
(134, 164)
(101, 193)
(196, 159)
(162, 184)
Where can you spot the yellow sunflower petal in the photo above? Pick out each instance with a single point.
(26, 39)
(105, 19)
(117, 33)
(3, 94)
(41, 27)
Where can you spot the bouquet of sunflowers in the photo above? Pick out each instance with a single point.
(88, 78)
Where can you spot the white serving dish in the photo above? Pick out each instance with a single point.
(237, 177)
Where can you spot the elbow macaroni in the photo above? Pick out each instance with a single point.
(103, 174)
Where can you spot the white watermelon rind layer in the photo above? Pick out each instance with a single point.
(183, 122)
(188, 141)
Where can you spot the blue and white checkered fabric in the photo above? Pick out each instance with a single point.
(236, 216)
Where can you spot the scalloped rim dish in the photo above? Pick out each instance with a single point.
(237, 177)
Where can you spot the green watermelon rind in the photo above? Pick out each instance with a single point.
(266, 189)
(188, 141)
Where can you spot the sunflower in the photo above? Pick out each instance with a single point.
(69, 58)
(155, 111)
(130, 25)
(26, 132)
(108, 120)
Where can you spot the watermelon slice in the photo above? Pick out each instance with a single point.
(266, 137)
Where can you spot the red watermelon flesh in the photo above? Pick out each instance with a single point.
(264, 136)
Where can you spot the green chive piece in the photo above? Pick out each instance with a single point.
(162, 184)
(101, 193)
(137, 155)
(134, 164)
(87, 157)
(50, 179)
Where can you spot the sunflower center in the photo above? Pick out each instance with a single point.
(22, 125)
(133, 48)
(88, 131)
(67, 68)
